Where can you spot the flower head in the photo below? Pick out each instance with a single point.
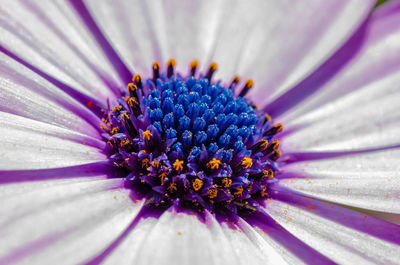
(110, 157)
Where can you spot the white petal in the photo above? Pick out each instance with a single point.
(143, 32)
(369, 180)
(64, 222)
(175, 239)
(27, 94)
(29, 144)
(271, 251)
(178, 238)
(336, 241)
(357, 107)
(366, 118)
(261, 39)
(278, 43)
(50, 37)
(126, 250)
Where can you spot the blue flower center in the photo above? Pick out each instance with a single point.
(188, 141)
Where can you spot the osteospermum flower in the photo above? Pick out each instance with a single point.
(112, 152)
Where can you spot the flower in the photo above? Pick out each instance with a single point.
(330, 81)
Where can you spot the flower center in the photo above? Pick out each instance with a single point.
(188, 141)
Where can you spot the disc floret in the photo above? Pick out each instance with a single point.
(188, 141)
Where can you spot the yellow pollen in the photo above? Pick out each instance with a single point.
(275, 145)
(226, 182)
(236, 79)
(264, 144)
(137, 79)
(263, 193)
(163, 175)
(178, 165)
(278, 127)
(125, 142)
(197, 184)
(156, 66)
(249, 83)
(171, 62)
(172, 187)
(145, 163)
(268, 173)
(238, 192)
(114, 130)
(194, 64)
(277, 154)
(132, 87)
(147, 135)
(132, 102)
(214, 163)
(125, 116)
(267, 118)
(213, 66)
(247, 162)
(117, 108)
(212, 193)
(104, 127)
(154, 163)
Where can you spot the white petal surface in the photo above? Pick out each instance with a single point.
(50, 37)
(49, 223)
(367, 118)
(183, 239)
(271, 251)
(358, 107)
(261, 39)
(369, 181)
(175, 239)
(338, 242)
(278, 43)
(29, 144)
(145, 31)
(24, 93)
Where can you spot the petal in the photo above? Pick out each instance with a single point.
(25, 93)
(343, 235)
(275, 252)
(367, 180)
(60, 221)
(50, 38)
(357, 108)
(365, 119)
(29, 144)
(142, 32)
(173, 239)
(233, 34)
(279, 43)
(177, 238)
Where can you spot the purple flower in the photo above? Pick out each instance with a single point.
(109, 157)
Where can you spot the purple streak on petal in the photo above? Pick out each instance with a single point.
(389, 8)
(145, 212)
(96, 107)
(318, 78)
(341, 215)
(303, 251)
(94, 169)
(108, 50)
(309, 156)
(23, 251)
(33, 6)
